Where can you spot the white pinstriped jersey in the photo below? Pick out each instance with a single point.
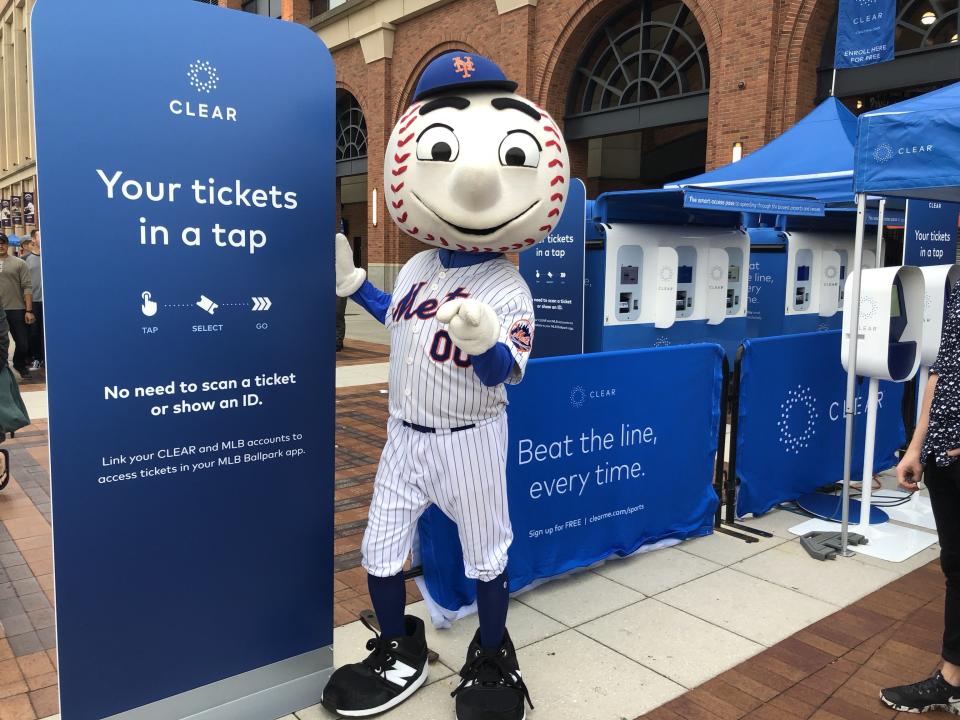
(432, 382)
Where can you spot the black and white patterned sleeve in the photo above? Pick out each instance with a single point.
(948, 358)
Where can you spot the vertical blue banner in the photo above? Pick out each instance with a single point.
(930, 233)
(190, 355)
(554, 270)
(865, 32)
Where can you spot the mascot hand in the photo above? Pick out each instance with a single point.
(349, 278)
(473, 325)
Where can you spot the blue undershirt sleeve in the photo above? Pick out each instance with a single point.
(373, 300)
(493, 367)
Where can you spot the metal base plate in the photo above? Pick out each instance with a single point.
(893, 543)
(917, 511)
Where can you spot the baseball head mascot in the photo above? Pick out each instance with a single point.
(472, 170)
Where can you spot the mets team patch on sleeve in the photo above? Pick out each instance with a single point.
(521, 335)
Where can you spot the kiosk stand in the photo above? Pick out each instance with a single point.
(939, 281)
(889, 330)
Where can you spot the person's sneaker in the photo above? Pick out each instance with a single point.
(928, 695)
(25, 375)
(35, 365)
(491, 687)
(391, 673)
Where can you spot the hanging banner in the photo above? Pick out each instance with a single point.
(16, 213)
(930, 233)
(29, 208)
(192, 476)
(596, 466)
(749, 203)
(554, 270)
(865, 32)
(5, 213)
(791, 424)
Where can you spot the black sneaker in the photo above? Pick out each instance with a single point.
(928, 695)
(491, 687)
(393, 671)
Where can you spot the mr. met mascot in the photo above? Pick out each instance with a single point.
(474, 171)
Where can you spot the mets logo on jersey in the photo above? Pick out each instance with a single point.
(521, 335)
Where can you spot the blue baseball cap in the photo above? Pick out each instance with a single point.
(460, 70)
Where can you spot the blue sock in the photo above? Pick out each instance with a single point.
(492, 600)
(389, 596)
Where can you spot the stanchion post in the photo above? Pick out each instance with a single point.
(850, 403)
(731, 494)
(721, 442)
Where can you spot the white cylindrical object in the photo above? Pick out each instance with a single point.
(873, 402)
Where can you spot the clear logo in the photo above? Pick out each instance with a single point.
(883, 153)
(578, 396)
(798, 419)
(203, 76)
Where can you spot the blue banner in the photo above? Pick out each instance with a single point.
(930, 233)
(190, 354)
(865, 32)
(748, 203)
(790, 437)
(554, 270)
(608, 452)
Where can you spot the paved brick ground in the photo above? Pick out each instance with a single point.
(833, 669)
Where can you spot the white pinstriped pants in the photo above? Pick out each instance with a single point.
(463, 473)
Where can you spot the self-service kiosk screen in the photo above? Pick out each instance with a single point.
(803, 273)
(895, 310)
(629, 275)
(733, 273)
(684, 274)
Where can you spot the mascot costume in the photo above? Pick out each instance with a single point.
(474, 171)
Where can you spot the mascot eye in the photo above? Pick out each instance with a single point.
(520, 149)
(438, 143)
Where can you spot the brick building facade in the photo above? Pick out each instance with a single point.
(757, 68)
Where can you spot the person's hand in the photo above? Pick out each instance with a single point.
(909, 471)
(349, 277)
(473, 325)
(29, 317)
(954, 453)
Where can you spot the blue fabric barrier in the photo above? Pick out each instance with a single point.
(608, 452)
(790, 432)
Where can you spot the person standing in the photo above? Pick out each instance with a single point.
(31, 256)
(934, 456)
(16, 297)
(341, 308)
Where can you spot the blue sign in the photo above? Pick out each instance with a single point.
(791, 425)
(864, 32)
(750, 203)
(190, 355)
(930, 233)
(608, 452)
(554, 270)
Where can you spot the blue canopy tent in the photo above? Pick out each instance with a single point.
(907, 150)
(813, 159)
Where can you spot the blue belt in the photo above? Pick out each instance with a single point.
(424, 429)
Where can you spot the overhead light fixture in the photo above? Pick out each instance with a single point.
(928, 18)
(859, 104)
(737, 151)
(954, 38)
(374, 218)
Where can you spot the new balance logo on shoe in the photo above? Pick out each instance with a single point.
(400, 673)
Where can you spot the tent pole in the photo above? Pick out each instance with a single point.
(833, 83)
(883, 207)
(850, 408)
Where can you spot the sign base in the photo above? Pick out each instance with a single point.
(271, 691)
(917, 511)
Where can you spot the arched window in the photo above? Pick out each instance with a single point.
(351, 129)
(652, 50)
(923, 24)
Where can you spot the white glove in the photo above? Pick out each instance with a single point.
(349, 278)
(473, 325)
